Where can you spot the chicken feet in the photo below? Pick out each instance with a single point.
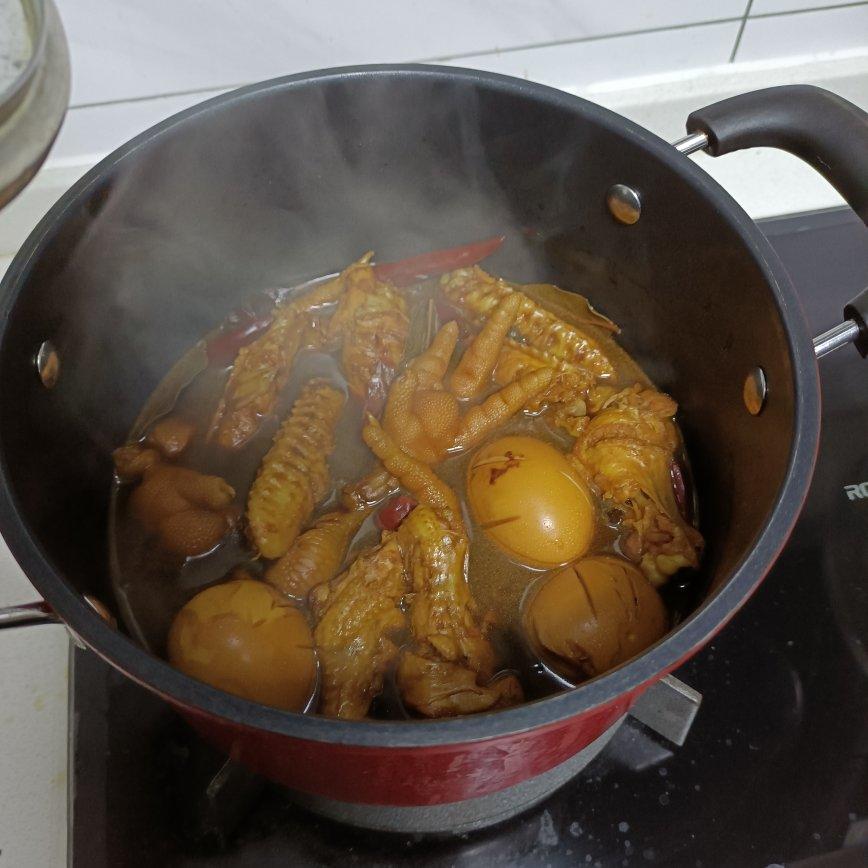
(425, 419)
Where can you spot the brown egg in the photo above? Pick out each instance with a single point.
(530, 501)
(248, 639)
(593, 615)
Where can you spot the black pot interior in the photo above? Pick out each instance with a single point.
(298, 178)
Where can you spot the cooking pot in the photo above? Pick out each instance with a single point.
(294, 177)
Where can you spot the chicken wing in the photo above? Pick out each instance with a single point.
(479, 293)
(372, 324)
(260, 372)
(451, 662)
(442, 609)
(439, 688)
(565, 394)
(262, 368)
(317, 554)
(627, 450)
(293, 476)
(358, 618)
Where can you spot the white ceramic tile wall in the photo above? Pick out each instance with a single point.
(135, 62)
(132, 48)
(578, 65)
(808, 34)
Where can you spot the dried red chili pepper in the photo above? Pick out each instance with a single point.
(406, 272)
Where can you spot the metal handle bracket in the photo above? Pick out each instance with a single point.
(26, 615)
(668, 708)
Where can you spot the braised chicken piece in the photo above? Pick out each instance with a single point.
(370, 490)
(358, 620)
(435, 687)
(188, 511)
(576, 358)
(262, 368)
(167, 439)
(260, 372)
(316, 556)
(479, 293)
(449, 667)
(565, 393)
(450, 663)
(293, 476)
(627, 451)
(131, 461)
(474, 369)
(372, 325)
(442, 611)
(171, 435)
(425, 419)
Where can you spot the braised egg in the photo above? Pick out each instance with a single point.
(246, 638)
(593, 615)
(530, 501)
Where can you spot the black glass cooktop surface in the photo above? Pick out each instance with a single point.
(774, 770)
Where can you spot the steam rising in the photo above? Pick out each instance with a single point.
(267, 191)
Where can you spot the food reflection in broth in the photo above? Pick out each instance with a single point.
(444, 492)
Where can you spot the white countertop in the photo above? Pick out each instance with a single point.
(33, 732)
(33, 661)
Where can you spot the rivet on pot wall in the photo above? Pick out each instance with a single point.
(755, 390)
(624, 204)
(48, 364)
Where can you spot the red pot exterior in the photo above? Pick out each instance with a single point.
(408, 776)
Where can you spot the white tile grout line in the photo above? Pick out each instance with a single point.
(779, 14)
(500, 51)
(740, 33)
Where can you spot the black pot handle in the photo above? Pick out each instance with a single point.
(826, 131)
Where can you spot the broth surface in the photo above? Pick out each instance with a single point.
(152, 585)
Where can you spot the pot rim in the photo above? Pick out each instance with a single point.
(157, 675)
